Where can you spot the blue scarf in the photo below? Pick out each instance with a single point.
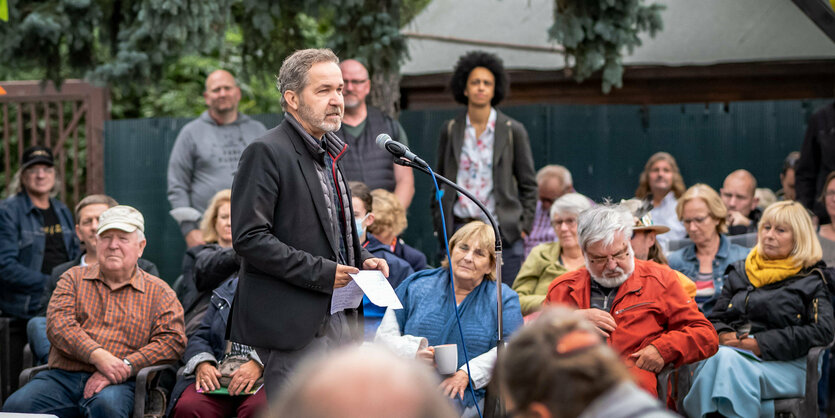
(428, 311)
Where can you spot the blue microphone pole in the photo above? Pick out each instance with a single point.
(493, 223)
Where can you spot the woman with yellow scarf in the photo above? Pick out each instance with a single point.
(774, 307)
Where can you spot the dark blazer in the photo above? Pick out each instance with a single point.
(514, 178)
(817, 160)
(282, 231)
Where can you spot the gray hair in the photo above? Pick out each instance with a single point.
(554, 171)
(409, 387)
(16, 184)
(601, 223)
(140, 236)
(294, 69)
(570, 203)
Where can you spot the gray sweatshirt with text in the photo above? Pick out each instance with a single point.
(203, 162)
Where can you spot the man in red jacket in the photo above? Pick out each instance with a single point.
(638, 306)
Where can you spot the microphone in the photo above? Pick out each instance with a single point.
(397, 149)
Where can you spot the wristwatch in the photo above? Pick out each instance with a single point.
(128, 363)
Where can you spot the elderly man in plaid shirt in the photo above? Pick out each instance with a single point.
(106, 321)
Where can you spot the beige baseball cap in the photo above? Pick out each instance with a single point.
(122, 217)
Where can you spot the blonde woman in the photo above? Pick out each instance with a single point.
(704, 261)
(428, 317)
(389, 223)
(208, 265)
(774, 305)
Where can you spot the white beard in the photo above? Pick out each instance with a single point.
(615, 281)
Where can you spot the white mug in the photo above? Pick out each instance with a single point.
(446, 358)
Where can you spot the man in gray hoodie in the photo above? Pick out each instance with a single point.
(206, 153)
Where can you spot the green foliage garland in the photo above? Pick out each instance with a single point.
(595, 32)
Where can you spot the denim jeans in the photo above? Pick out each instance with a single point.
(38, 343)
(61, 393)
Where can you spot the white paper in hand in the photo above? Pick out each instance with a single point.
(347, 297)
(377, 288)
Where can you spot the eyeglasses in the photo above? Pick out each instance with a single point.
(567, 221)
(700, 220)
(619, 256)
(355, 82)
(829, 193)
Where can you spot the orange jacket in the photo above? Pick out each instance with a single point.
(650, 307)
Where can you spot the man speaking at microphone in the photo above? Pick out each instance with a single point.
(293, 224)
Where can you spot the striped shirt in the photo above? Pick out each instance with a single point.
(141, 321)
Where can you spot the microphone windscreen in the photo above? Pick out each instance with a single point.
(382, 139)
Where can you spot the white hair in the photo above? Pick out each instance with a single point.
(570, 203)
(554, 171)
(140, 236)
(622, 274)
(601, 223)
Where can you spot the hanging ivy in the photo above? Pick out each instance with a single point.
(595, 34)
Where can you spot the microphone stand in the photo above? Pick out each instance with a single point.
(459, 189)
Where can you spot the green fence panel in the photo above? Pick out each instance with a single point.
(135, 164)
(604, 146)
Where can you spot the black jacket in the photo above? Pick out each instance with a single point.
(787, 317)
(205, 267)
(817, 160)
(514, 178)
(283, 233)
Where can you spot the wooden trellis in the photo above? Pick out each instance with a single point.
(69, 121)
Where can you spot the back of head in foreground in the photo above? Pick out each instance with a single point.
(362, 382)
(558, 365)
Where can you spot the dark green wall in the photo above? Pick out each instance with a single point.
(604, 146)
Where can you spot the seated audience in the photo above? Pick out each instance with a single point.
(36, 234)
(558, 366)
(705, 260)
(550, 260)
(639, 306)
(399, 269)
(361, 382)
(826, 233)
(739, 195)
(787, 176)
(208, 265)
(661, 184)
(206, 349)
(774, 305)
(646, 246)
(87, 213)
(428, 317)
(97, 350)
(389, 222)
(552, 182)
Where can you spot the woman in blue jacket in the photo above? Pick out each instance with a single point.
(704, 261)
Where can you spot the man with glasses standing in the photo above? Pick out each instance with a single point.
(638, 306)
(364, 161)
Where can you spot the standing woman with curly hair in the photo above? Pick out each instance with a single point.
(487, 153)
